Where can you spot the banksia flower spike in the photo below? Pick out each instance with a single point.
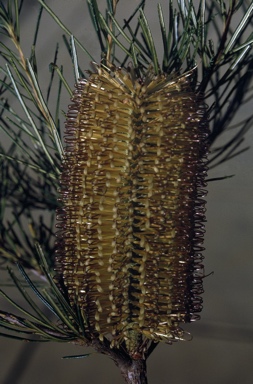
(130, 244)
(129, 187)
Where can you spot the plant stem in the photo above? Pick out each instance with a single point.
(135, 373)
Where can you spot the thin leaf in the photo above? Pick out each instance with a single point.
(30, 117)
(76, 356)
(239, 29)
(51, 124)
(75, 60)
(63, 27)
(149, 40)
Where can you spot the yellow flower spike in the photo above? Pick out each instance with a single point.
(130, 243)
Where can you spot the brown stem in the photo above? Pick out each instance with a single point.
(135, 373)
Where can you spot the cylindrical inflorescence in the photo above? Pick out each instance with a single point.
(131, 225)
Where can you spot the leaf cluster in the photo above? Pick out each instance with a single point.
(30, 165)
(38, 324)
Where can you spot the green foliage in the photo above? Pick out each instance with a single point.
(30, 166)
(37, 324)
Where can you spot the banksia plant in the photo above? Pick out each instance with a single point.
(133, 208)
(129, 187)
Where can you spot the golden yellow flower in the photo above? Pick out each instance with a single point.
(131, 223)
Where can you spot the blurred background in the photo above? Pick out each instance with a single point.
(221, 351)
